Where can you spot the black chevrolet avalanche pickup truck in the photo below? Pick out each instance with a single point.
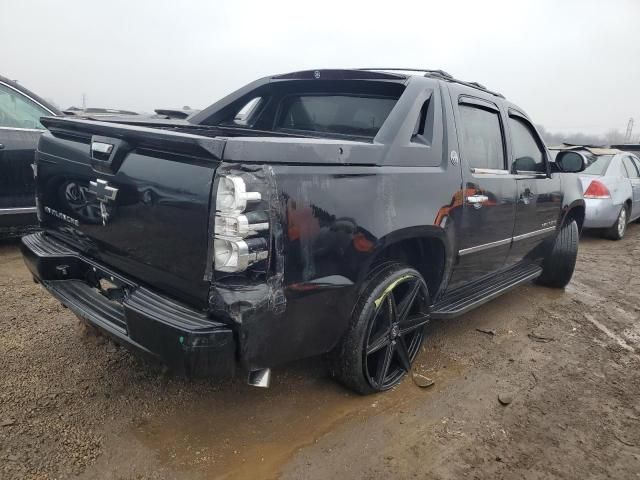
(319, 212)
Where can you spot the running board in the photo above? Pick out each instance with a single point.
(461, 300)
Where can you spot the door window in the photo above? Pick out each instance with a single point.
(17, 111)
(528, 156)
(482, 142)
(632, 171)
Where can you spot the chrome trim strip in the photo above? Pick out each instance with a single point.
(490, 171)
(27, 96)
(38, 130)
(529, 173)
(535, 233)
(15, 211)
(484, 246)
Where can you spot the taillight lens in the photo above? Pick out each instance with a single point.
(597, 189)
(232, 196)
(240, 225)
(233, 250)
(235, 255)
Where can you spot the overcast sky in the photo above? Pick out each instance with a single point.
(572, 65)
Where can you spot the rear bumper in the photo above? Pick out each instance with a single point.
(14, 221)
(140, 319)
(600, 213)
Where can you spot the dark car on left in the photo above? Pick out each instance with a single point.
(20, 129)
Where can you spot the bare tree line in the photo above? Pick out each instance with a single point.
(611, 137)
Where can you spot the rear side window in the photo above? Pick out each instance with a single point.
(246, 113)
(482, 143)
(342, 114)
(527, 154)
(632, 171)
(597, 165)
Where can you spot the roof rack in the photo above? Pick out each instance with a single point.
(441, 75)
(339, 74)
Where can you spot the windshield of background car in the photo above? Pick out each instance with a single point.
(597, 164)
(343, 114)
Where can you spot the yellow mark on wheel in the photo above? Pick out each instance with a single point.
(389, 289)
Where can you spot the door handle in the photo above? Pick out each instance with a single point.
(1, 146)
(477, 199)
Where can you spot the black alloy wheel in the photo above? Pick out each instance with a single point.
(395, 333)
(386, 331)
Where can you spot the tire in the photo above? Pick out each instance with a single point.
(557, 268)
(619, 228)
(385, 333)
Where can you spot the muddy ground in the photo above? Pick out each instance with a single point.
(75, 405)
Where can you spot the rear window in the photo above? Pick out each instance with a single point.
(597, 164)
(342, 114)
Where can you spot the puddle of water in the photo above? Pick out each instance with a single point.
(245, 432)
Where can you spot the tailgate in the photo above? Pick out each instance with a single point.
(133, 198)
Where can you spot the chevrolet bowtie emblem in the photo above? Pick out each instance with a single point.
(103, 191)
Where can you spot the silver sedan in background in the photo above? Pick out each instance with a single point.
(611, 186)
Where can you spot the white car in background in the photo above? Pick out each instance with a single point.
(611, 186)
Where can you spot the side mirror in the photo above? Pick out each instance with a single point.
(571, 162)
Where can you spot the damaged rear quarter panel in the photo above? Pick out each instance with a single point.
(328, 224)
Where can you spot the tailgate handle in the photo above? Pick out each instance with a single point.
(101, 150)
(107, 154)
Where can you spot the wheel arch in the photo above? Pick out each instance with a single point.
(425, 248)
(574, 211)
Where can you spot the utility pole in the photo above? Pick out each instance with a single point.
(629, 132)
(84, 101)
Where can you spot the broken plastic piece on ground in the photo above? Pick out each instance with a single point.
(540, 338)
(486, 330)
(422, 381)
(260, 378)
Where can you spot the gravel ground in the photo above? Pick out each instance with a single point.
(537, 384)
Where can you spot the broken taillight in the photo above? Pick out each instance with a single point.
(241, 225)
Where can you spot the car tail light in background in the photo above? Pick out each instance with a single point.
(597, 189)
(239, 239)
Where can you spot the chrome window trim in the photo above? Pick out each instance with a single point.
(535, 233)
(528, 173)
(484, 246)
(27, 96)
(16, 211)
(489, 171)
(31, 100)
(39, 130)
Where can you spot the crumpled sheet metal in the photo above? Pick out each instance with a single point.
(235, 296)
